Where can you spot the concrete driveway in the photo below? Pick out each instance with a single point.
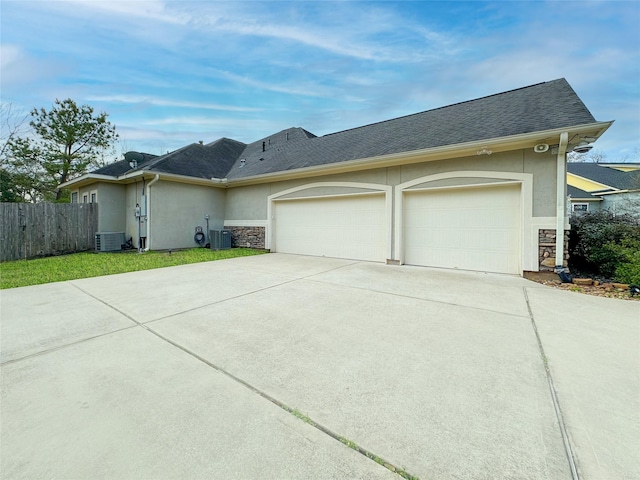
(193, 371)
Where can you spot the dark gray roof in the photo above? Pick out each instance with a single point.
(601, 173)
(202, 161)
(581, 194)
(539, 107)
(118, 168)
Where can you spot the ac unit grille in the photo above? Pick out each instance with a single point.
(109, 241)
(220, 239)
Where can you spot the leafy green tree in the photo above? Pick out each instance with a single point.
(66, 141)
(8, 187)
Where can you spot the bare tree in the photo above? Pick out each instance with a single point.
(13, 124)
(594, 156)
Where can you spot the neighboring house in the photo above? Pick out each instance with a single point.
(478, 185)
(604, 186)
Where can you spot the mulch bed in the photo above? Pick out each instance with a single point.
(599, 289)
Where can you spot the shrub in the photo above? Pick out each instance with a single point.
(601, 242)
(628, 269)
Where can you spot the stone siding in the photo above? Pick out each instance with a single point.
(252, 237)
(547, 249)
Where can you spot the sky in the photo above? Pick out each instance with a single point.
(171, 73)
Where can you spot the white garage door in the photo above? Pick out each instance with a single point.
(466, 228)
(351, 227)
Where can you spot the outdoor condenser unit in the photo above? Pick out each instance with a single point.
(109, 241)
(220, 239)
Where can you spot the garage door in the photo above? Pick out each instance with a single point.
(466, 228)
(351, 227)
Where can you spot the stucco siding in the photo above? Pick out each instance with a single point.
(176, 209)
(249, 203)
(497, 162)
(543, 168)
(111, 207)
(621, 203)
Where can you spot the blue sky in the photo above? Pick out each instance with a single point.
(170, 73)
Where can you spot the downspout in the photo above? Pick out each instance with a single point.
(155, 179)
(561, 199)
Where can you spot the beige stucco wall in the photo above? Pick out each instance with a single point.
(111, 204)
(111, 207)
(250, 203)
(175, 209)
(622, 203)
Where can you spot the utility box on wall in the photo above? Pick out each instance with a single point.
(220, 239)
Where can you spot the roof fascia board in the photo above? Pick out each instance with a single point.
(209, 182)
(86, 179)
(591, 199)
(618, 191)
(498, 144)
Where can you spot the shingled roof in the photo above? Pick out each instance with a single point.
(201, 161)
(606, 175)
(119, 168)
(540, 107)
(577, 193)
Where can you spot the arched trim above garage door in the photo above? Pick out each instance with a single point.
(338, 193)
(450, 181)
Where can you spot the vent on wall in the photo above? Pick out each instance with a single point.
(109, 241)
(220, 239)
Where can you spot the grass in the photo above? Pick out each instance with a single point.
(37, 271)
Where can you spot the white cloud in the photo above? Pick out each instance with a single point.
(162, 102)
(147, 10)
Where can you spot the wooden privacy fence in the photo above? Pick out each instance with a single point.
(29, 230)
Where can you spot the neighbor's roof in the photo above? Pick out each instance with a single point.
(578, 194)
(538, 108)
(602, 173)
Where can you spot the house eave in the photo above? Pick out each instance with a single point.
(582, 200)
(496, 145)
(615, 192)
(87, 179)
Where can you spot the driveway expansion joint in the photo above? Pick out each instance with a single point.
(412, 297)
(292, 411)
(66, 345)
(124, 314)
(554, 397)
(217, 302)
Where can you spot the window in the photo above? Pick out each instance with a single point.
(580, 207)
(94, 197)
(85, 198)
(74, 197)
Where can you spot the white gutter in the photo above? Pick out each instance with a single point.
(561, 199)
(148, 200)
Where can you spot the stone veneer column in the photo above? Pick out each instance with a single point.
(547, 249)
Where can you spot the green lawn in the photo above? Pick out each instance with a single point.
(84, 265)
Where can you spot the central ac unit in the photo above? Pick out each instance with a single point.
(220, 239)
(109, 241)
